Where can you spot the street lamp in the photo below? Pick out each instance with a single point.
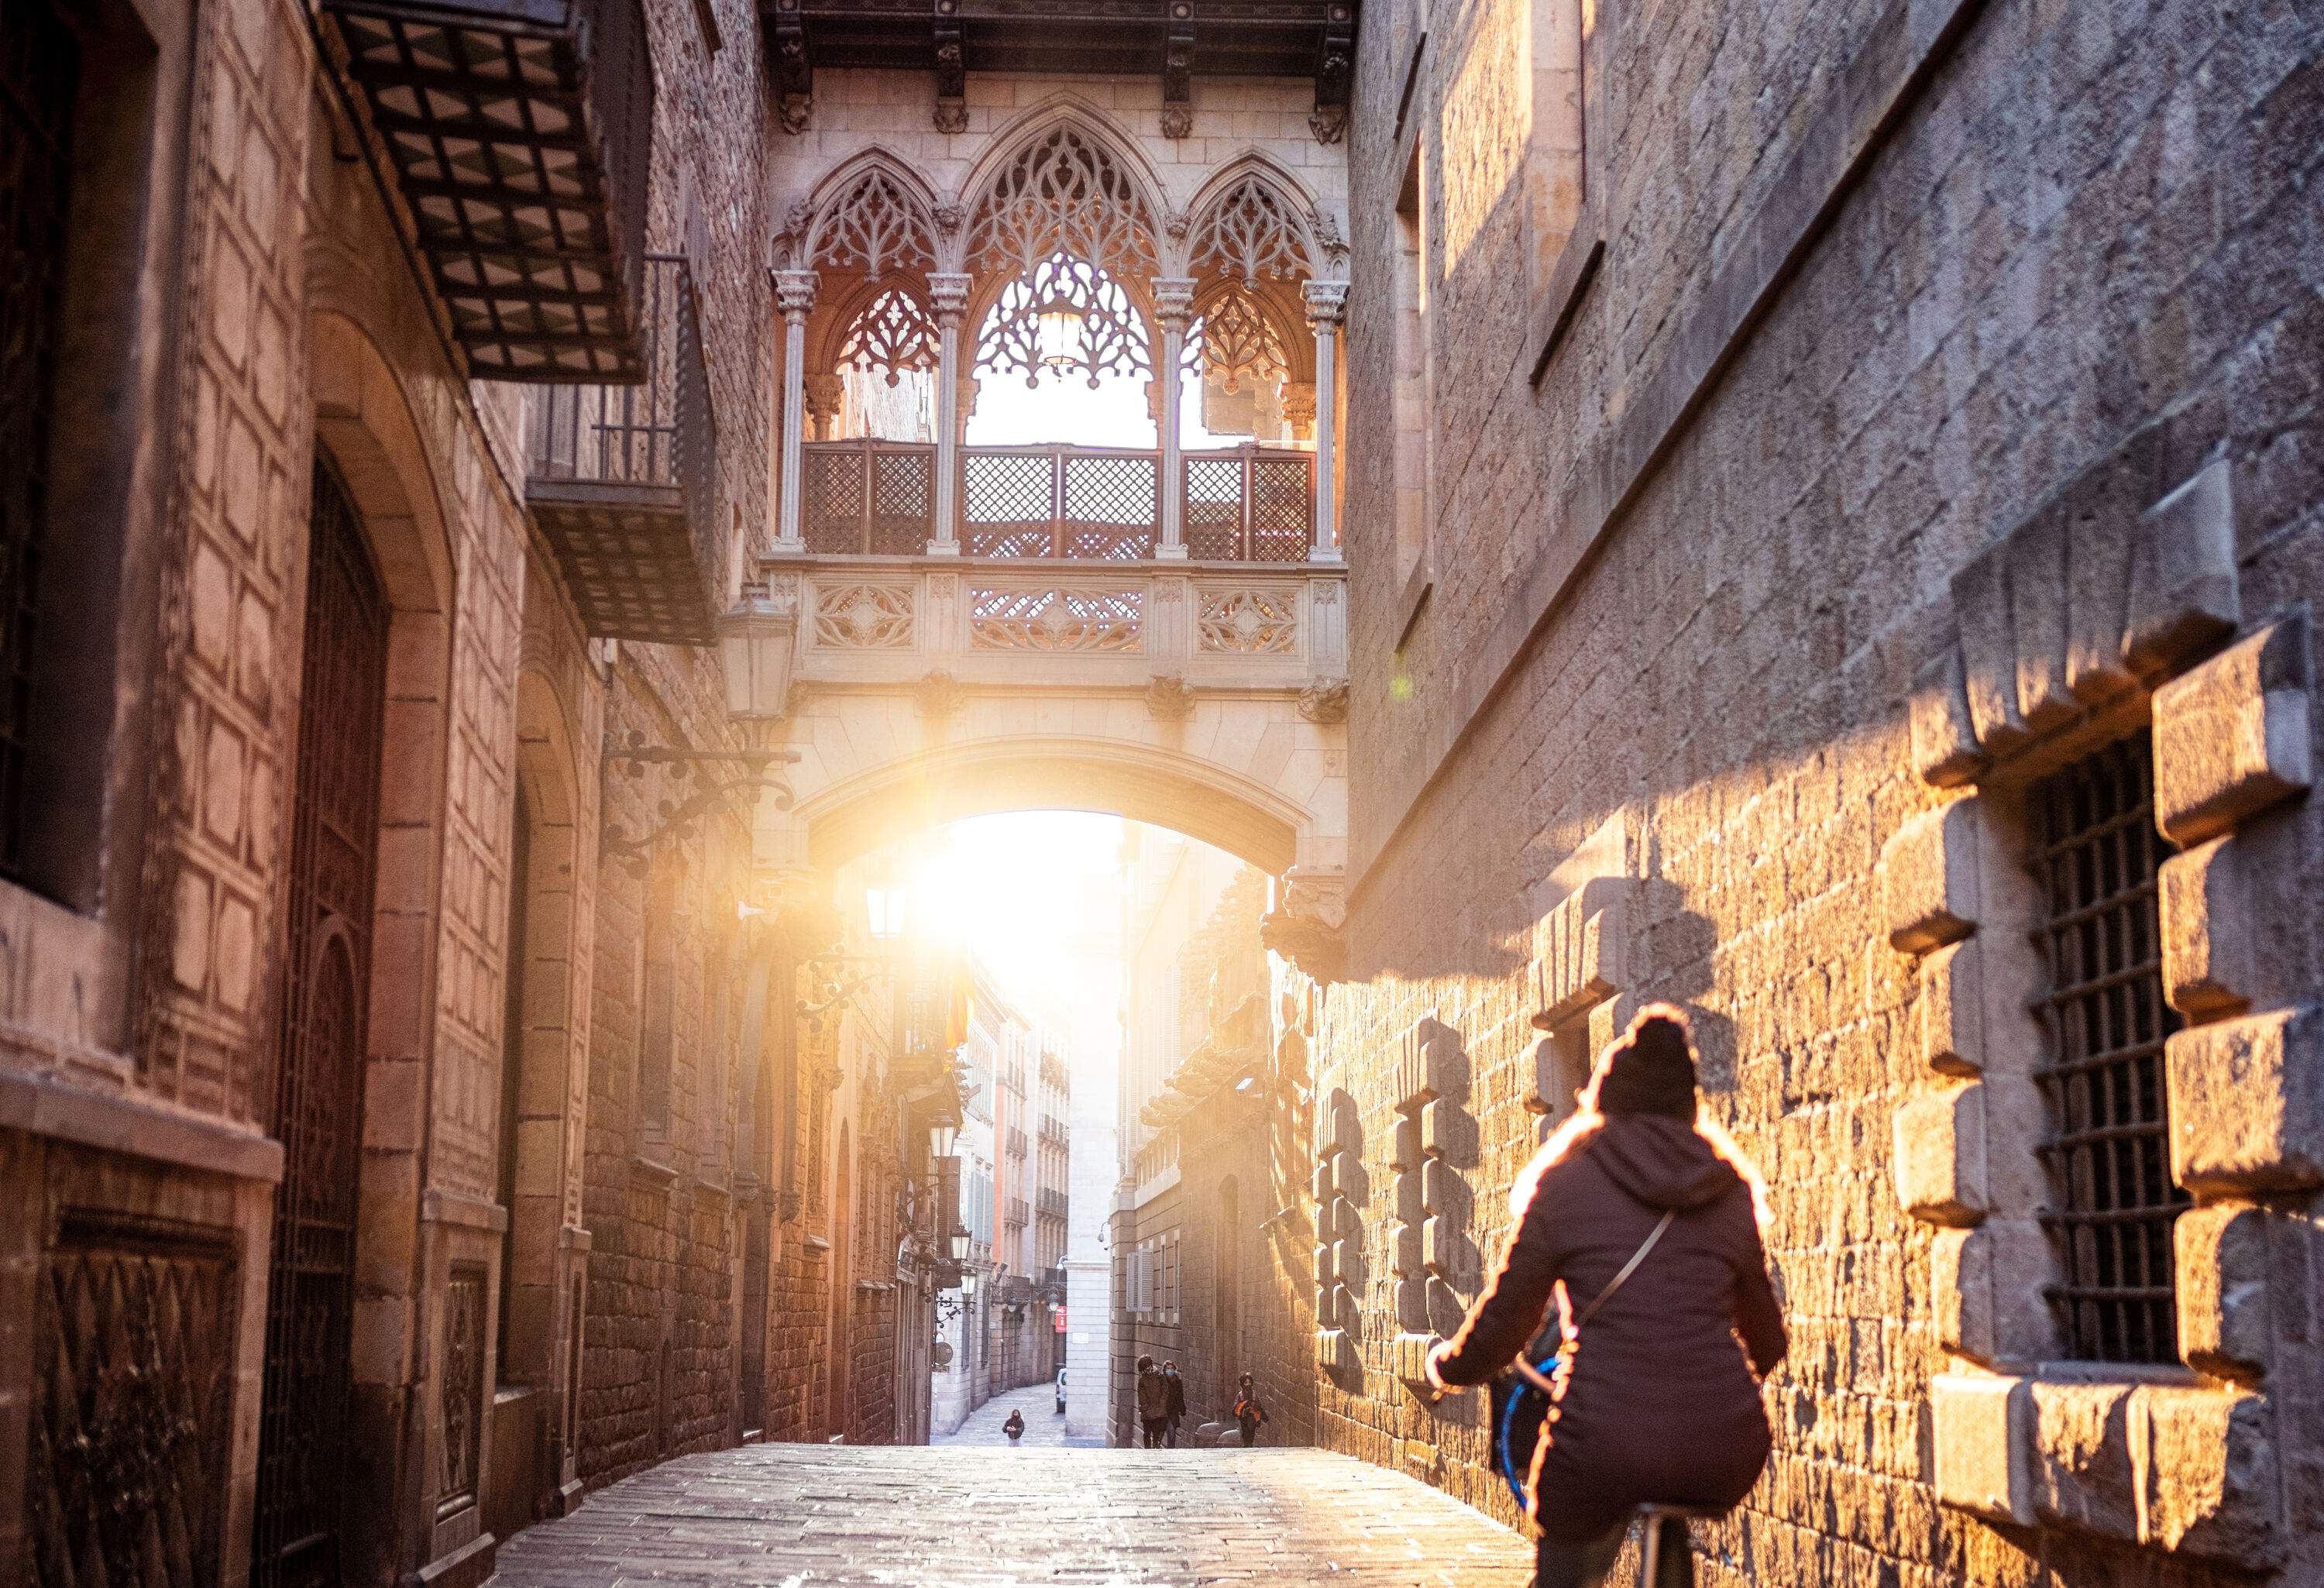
(960, 1239)
(883, 910)
(943, 1135)
(755, 639)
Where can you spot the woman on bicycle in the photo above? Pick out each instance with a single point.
(1644, 1219)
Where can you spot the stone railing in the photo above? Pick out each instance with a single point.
(1176, 628)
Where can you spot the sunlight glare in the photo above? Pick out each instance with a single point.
(1031, 893)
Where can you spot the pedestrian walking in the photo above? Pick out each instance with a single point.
(1178, 1401)
(1153, 1403)
(1649, 1216)
(1248, 1415)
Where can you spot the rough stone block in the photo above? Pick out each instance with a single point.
(2079, 1458)
(2210, 930)
(1981, 1430)
(2184, 595)
(2037, 613)
(2248, 1103)
(2231, 737)
(2102, 518)
(1989, 646)
(2212, 1488)
(1945, 751)
(1952, 1007)
(2222, 1266)
(1985, 1287)
(1939, 1157)
(1929, 893)
(1404, 1241)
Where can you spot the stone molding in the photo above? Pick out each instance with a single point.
(2096, 597)
(1580, 946)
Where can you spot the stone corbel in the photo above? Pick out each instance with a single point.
(794, 74)
(1306, 925)
(952, 68)
(1324, 701)
(1335, 70)
(1178, 71)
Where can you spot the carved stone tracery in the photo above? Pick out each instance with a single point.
(1064, 193)
(1234, 340)
(892, 336)
(873, 224)
(1108, 337)
(1250, 234)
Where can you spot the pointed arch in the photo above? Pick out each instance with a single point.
(871, 213)
(1064, 178)
(1253, 220)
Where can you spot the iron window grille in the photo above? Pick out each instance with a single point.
(40, 68)
(2108, 1150)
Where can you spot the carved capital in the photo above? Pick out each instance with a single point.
(824, 394)
(948, 296)
(795, 293)
(1324, 701)
(1174, 301)
(1327, 305)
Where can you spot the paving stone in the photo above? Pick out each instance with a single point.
(806, 1516)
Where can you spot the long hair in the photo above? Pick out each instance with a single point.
(1587, 1118)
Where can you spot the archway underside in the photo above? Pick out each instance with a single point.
(878, 810)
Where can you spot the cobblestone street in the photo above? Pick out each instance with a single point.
(791, 1516)
(1044, 1426)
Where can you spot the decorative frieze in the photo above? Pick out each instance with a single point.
(1104, 619)
(1250, 621)
(863, 615)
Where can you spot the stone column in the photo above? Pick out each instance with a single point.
(1327, 305)
(795, 296)
(1174, 305)
(948, 299)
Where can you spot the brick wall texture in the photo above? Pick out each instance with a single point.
(2085, 228)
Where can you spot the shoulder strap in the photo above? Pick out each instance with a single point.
(1628, 1268)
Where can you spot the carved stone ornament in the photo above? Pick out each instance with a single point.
(1328, 122)
(1177, 121)
(952, 115)
(1170, 697)
(1327, 303)
(876, 226)
(941, 695)
(1251, 233)
(1304, 927)
(795, 293)
(1324, 701)
(1329, 238)
(950, 218)
(797, 112)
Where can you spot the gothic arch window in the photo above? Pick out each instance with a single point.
(1064, 314)
(1250, 233)
(873, 225)
(891, 335)
(1066, 193)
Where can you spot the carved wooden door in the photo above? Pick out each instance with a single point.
(320, 1052)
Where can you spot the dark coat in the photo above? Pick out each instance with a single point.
(1177, 1395)
(1659, 1403)
(1153, 1396)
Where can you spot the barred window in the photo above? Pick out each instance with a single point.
(40, 64)
(2108, 1150)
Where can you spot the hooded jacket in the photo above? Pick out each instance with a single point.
(1153, 1395)
(1659, 1401)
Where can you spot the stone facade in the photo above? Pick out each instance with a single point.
(1783, 447)
(525, 1151)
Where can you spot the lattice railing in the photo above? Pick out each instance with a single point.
(1084, 504)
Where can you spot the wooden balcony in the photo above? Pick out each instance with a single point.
(1086, 504)
(622, 480)
(518, 131)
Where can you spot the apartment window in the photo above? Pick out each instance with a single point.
(40, 69)
(2108, 1148)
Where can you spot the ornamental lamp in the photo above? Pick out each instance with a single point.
(960, 1239)
(943, 1136)
(755, 642)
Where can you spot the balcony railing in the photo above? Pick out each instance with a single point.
(624, 479)
(877, 499)
(1053, 1204)
(520, 131)
(1053, 1130)
(1018, 1214)
(1018, 1145)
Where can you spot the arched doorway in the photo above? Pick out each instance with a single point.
(317, 1095)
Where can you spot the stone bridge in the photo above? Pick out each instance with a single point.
(1206, 698)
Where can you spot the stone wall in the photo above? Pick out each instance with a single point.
(1866, 312)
